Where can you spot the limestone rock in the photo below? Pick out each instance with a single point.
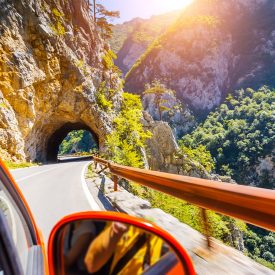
(162, 151)
(177, 115)
(50, 71)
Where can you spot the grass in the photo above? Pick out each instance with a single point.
(91, 173)
(15, 165)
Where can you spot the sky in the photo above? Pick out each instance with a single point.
(130, 9)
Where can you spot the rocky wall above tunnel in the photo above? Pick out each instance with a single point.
(42, 142)
(50, 71)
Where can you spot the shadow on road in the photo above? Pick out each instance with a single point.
(101, 195)
(73, 159)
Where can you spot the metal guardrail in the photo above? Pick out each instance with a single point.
(250, 204)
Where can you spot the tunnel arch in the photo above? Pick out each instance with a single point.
(59, 135)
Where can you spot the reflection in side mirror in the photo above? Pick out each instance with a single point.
(87, 246)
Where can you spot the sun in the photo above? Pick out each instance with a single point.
(169, 5)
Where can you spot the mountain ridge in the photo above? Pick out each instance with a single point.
(131, 38)
(206, 54)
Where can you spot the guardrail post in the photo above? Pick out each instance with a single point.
(206, 227)
(115, 179)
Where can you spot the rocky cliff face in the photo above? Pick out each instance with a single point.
(131, 39)
(214, 48)
(50, 70)
(163, 152)
(178, 116)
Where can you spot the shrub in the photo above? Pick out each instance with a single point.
(125, 143)
(58, 28)
(103, 103)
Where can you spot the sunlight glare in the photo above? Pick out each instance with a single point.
(170, 5)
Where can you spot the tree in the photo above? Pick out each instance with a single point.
(158, 90)
(102, 17)
(108, 63)
(126, 142)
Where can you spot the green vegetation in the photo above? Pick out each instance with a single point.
(141, 31)
(101, 17)
(83, 66)
(77, 141)
(108, 64)
(125, 143)
(260, 245)
(245, 118)
(16, 165)
(192, 21)
(159, 42)
(3, 105)
(120, 34)
(221, 226)
(103, 103)
(199, 155)
(58, 28)
(238, 133)
(103, 97)
(154, 46)
(108, 59)
(57, 13)
(90, 172)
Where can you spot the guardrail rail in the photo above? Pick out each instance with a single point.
(250, 204)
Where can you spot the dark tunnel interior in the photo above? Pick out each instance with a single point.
(59, 135)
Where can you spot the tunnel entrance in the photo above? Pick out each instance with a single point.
(61, 140)
(77, 142)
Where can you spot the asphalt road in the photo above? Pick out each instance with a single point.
(53, 191)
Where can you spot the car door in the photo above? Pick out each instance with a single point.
(20, 242)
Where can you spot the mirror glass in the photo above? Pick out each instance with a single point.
(111, 247)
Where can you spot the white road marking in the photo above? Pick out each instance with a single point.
(35, 174)
(88, 194)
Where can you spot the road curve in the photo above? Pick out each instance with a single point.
(53, 191)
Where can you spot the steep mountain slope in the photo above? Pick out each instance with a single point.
(215, 47)
(131, 39)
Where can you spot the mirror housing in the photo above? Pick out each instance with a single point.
(179, 259)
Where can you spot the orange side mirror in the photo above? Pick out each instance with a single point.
(112, 243)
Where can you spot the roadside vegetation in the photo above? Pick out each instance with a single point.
(16, 165)
(221, 227)
(126, 142)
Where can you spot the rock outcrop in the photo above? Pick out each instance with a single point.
(214, 48)
(163, 151)
(178, 116)
(50, 71)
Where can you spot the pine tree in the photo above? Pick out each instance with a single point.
(158, 90)
(102, 17)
